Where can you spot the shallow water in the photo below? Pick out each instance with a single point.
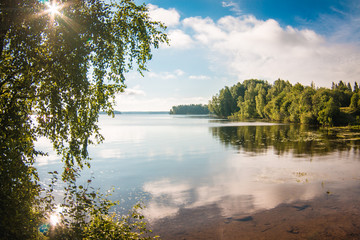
(195, 171)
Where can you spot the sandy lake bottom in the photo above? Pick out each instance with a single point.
(330, 216)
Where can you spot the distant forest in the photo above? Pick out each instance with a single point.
(190, 109)
(282, 101)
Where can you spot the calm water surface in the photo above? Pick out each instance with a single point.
(177, 164)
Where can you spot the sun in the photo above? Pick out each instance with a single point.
(55, 218)
(53, 8)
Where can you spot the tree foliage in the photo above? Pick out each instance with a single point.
(223, 104)
(190, 109)
(58, 69)
(282, 101)
(86, 214)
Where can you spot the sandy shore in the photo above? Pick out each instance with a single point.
(331, 216)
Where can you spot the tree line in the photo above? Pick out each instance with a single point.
(190, 109)
(282, 101)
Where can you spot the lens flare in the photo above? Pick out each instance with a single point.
(55, 218)
(53, 8)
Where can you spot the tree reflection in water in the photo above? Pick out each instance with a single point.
(298, 139)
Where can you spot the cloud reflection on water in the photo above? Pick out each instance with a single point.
(245, 184)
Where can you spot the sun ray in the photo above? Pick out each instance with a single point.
(53, 8)
(55, 218)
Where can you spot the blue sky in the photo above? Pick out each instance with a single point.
(217, 43)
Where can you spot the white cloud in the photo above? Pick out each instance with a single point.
(206, 31)
(134, 91)
(162, 75)
(166, 75)
(252, 48)
(233, 6)
(199, 77)
(179, 72)
(170, 17)
(179, 39)
(345, 28)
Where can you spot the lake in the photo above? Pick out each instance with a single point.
(204, 178)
